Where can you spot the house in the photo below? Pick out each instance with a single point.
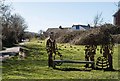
(117, 18)
(55, 30)
(81, 27)
(61, 29)
(67, 29)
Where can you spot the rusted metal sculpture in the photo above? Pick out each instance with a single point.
(90, 51)
(106, 49)
(51, 48)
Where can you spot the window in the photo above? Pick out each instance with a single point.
(77, 27)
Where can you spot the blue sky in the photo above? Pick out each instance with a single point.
(43, 15)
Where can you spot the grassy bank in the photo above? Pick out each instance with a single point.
(35, 65)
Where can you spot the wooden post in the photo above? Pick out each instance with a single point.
(53, 65)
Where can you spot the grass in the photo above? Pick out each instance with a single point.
(35, 65)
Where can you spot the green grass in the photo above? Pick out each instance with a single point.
(35, 65)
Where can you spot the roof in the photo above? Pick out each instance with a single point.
(52, 30)
(116, 13)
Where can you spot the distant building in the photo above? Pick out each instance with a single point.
(57, 31)
(74, 27)
(67, 29)
(119, 5)
(117, 18)
(52, 30)
(81, 27)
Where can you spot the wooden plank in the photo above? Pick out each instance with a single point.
(13, 49)
(72, 61)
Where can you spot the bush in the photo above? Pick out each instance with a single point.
(117, 38)
(101, 35)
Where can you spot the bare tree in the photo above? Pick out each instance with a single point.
(98, 20)
(41, 34)
(5, 13)
(19, 26)
(40, 31)
(13, 26)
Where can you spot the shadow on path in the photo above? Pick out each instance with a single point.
(113, 70)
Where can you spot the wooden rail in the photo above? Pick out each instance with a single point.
(71, 61)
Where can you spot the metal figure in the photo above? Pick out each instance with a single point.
(90, 51)
(107, 47)
(51, 48)
(107, 51)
